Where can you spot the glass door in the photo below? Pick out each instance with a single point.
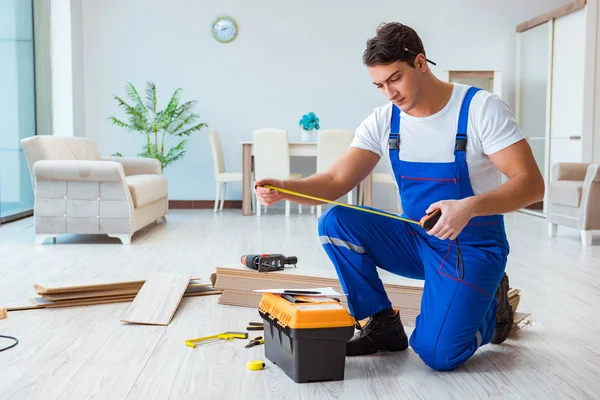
(17, 104)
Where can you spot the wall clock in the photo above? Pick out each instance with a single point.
(224, 29)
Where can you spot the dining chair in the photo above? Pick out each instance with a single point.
(331, 145)
(222, 177)
(272, 160)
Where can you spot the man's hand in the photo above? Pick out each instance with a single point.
(266, 196)
(455, 216)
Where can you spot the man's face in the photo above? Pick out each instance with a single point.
(399, 82)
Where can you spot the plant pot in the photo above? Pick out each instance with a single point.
(307, 136)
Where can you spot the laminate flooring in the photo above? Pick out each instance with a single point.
(88, 353)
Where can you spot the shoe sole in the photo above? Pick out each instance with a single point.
(505, 285)
(363, 352)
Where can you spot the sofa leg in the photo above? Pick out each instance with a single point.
(40, 239)
(125, 239)
(552, 229)
(586, 238)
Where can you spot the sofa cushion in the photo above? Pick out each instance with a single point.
(566, 193)
(147, 188)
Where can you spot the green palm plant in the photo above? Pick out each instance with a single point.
(160, 127)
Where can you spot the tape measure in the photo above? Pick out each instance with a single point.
(427, 222)
(255, 365)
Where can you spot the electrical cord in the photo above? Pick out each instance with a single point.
(461, 261)
(12, 345)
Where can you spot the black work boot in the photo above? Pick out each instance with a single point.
(383, 332)
(504, 314)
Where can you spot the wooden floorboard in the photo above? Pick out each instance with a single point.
(157, 300)
(86, 352)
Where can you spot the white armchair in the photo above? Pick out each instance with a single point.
(574, 199)
(79, 192)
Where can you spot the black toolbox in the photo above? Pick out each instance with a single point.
(306, 336)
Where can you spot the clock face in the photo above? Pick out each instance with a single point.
(224, 29)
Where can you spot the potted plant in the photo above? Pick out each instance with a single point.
(159, 127)
(309, 123)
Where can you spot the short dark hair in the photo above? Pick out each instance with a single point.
(393, 42)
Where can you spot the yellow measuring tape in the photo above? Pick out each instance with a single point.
(342, 204)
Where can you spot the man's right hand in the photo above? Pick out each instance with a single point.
(266, 196)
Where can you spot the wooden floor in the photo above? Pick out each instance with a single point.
(87, 352)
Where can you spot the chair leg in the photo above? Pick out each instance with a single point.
(223, 195)
(552, 229)
(360, 196)
(319, 210)
(312, 209)
(287, 208)
(586, 238)
(217, 196)
(350, 193)
(299, 208)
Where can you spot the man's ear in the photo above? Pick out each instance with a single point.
(421, 62)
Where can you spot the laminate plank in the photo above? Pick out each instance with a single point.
(157, 300)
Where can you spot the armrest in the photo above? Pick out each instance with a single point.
(78, 170)
(137, 165)
(569, 171)
(589, 213)
(592, 174)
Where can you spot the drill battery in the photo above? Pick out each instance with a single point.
(306, 336)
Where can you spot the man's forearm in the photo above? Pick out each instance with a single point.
(518, 192)
(319, 185)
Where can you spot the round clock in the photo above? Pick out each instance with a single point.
(224, 29)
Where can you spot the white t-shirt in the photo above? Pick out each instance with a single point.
(492, 127)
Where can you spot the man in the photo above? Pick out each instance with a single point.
(448, 146)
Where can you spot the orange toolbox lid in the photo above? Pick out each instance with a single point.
(308, 313)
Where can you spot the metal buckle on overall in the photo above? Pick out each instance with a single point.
(394, 143)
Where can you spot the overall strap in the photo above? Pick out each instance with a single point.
(394, 139)
(463, 121)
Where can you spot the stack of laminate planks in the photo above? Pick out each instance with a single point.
(79, 294)
(238, 284)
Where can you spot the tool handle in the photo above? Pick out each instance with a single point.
(429, 220)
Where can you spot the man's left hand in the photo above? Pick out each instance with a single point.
(455, 216)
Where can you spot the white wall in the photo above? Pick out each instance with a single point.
(595, 125)
(62, 67)
(289, 58)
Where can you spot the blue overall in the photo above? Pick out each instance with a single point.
(458, 306)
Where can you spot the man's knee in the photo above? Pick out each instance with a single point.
(443, 355)
(333, 218)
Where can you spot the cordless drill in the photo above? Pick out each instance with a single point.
(268, 262)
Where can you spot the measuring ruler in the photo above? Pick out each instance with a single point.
(426, 223)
